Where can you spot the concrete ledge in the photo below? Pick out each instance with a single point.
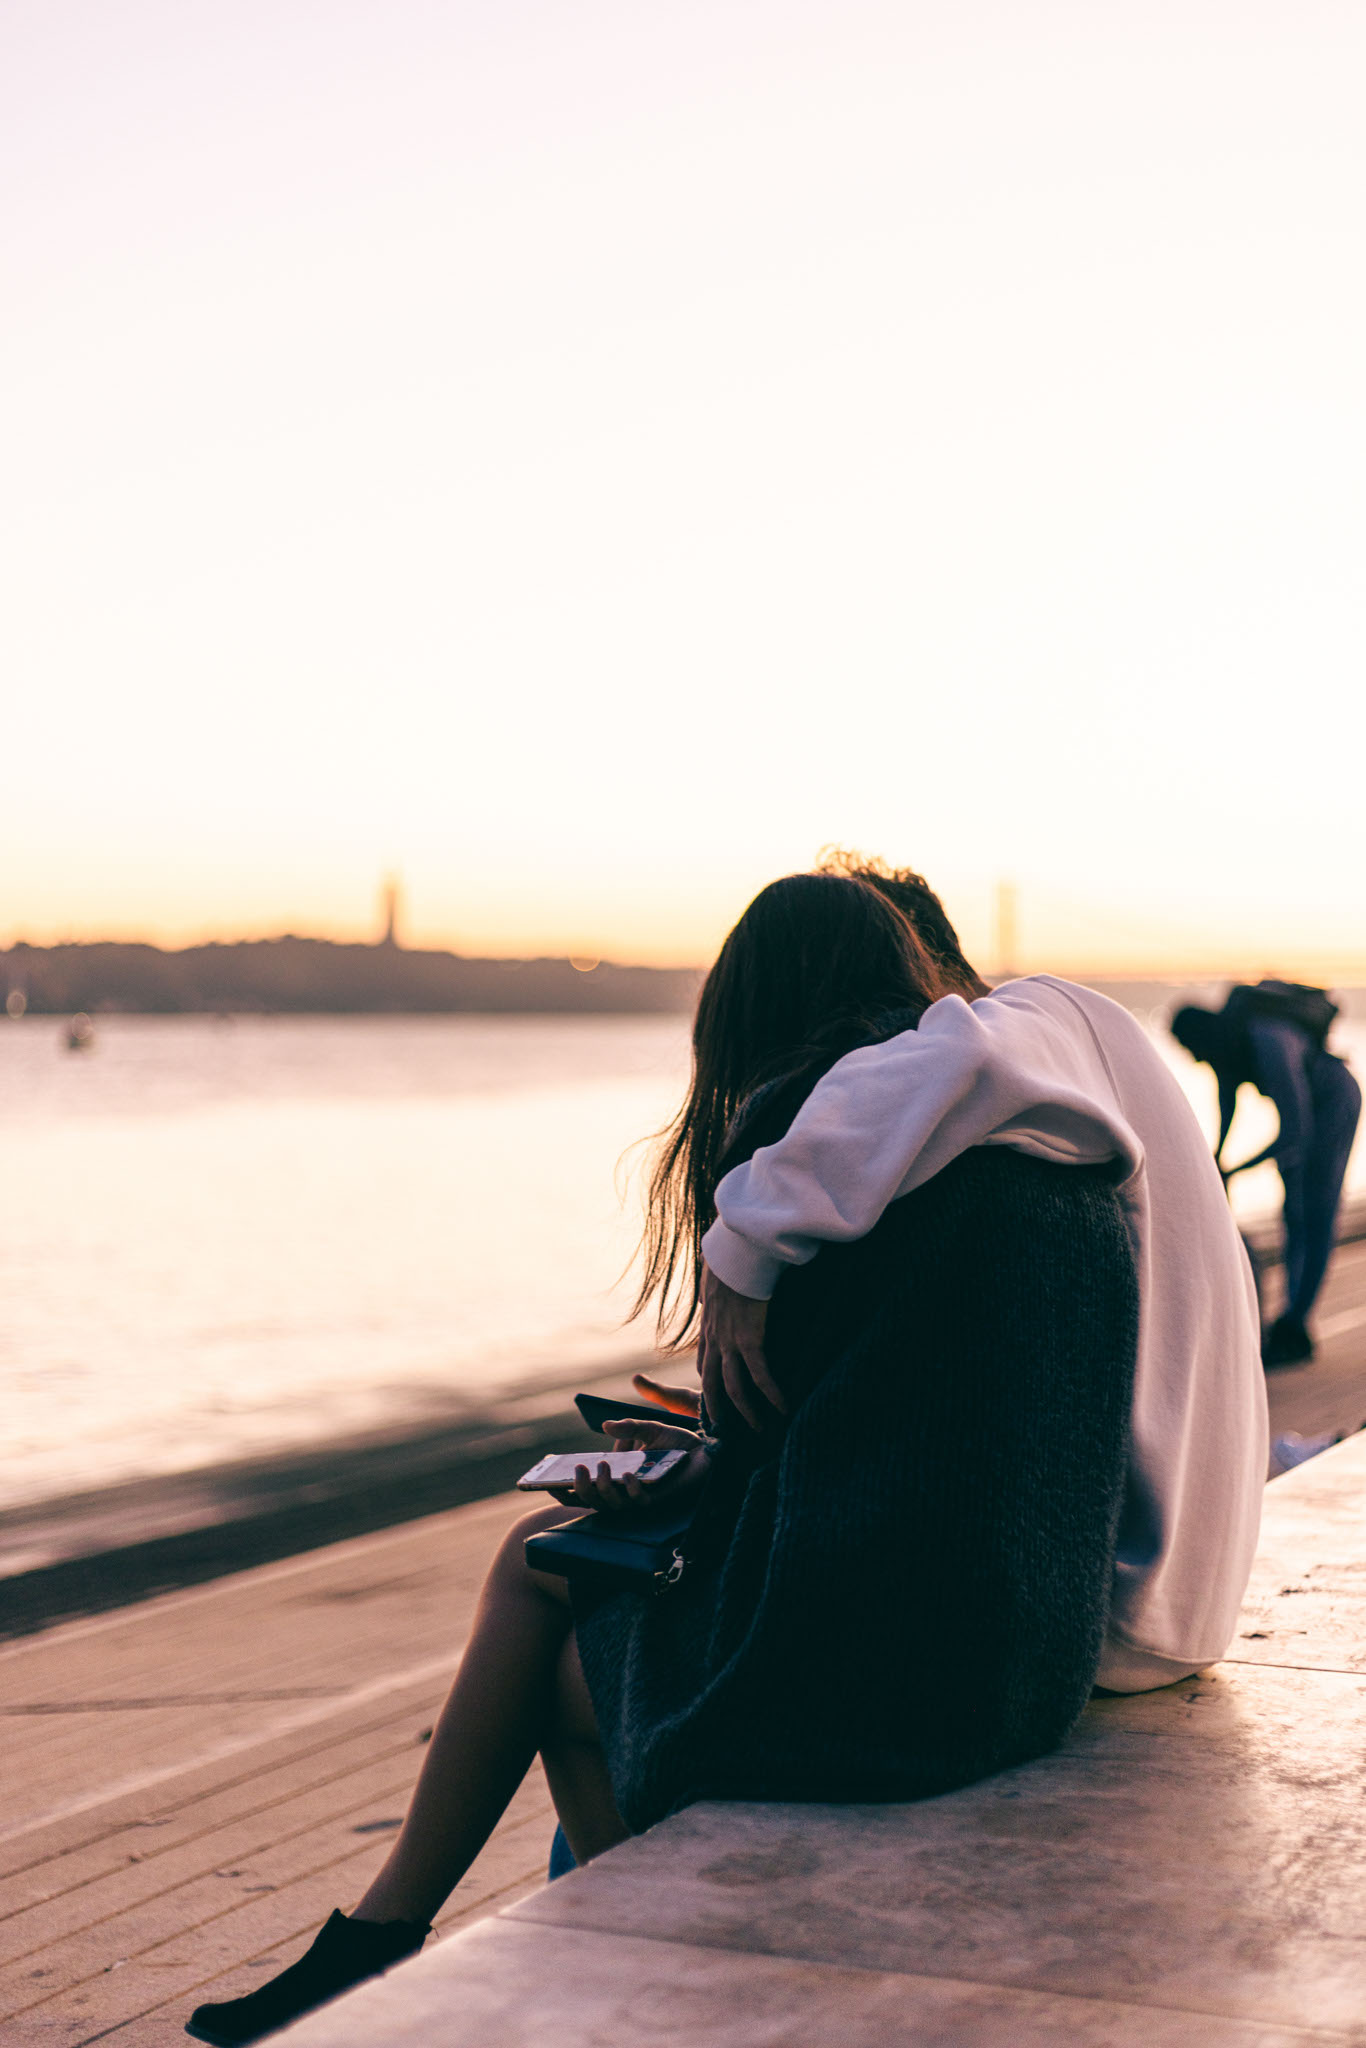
(608, 1989)
(1189, 1867)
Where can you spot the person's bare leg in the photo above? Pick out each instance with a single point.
(516, 1690)
(575, 1766)
(497, 1713)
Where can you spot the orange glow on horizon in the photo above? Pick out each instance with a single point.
(691, 937)
(586, 460)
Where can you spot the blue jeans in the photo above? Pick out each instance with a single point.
(561, 1856)
(1318, 1103)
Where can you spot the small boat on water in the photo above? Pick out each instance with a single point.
(80, 1033)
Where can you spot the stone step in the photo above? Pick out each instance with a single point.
(1187, 1868)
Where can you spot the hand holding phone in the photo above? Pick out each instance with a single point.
(559, 1472)
(592, 1485)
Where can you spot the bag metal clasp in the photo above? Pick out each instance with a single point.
(674, 1572)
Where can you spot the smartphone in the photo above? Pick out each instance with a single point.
(559, 1469)
(596, 1409)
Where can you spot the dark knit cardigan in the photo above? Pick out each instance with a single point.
(905, 1588)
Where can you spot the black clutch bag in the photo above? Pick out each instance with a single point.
(613, 1553)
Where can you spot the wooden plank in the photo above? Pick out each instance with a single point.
(195, 1844)
(44, 1859)
(122, 1976)
(377, 1788)
(164, 2027)
(404, 1600)
(221, 1638)
(242, 1909)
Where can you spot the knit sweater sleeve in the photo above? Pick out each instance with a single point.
(1018, 1069)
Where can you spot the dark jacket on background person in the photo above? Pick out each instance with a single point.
(905, 1588)
(1271, 1035)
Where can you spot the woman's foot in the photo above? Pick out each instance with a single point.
(1287, 1342)
(345, 1953)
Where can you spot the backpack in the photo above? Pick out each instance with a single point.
(1288, 1002)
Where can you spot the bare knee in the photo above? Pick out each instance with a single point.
(509, 1563)
(547, 1517)
(511, 1549)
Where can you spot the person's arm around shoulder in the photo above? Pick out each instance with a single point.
(857, 1139)
(1021, 1068)
(848, 1153)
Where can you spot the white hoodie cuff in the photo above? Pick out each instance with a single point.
(743, 1265)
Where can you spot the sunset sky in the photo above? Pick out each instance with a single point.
(584, 459)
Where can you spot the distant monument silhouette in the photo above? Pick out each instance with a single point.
(391, 909)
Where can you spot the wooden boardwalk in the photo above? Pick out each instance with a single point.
(192, 1783)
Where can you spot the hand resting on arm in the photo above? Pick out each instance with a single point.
(730, 1353)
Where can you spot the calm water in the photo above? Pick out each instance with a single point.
(218, 1237)
(224, 1236)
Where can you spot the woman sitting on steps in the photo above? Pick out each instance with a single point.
(897, 1581)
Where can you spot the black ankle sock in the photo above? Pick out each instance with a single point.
(344, 1953)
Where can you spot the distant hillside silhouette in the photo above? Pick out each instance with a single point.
(316, 975)
(292, 975)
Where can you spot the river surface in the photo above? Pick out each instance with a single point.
(219, 1237)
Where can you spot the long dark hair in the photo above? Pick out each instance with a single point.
(817, 965)
(921, 908)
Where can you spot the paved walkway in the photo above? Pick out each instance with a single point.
(1329, 1393)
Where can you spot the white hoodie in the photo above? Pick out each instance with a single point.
(1065, 1074)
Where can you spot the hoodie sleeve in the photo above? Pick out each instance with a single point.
(1018, 1069)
